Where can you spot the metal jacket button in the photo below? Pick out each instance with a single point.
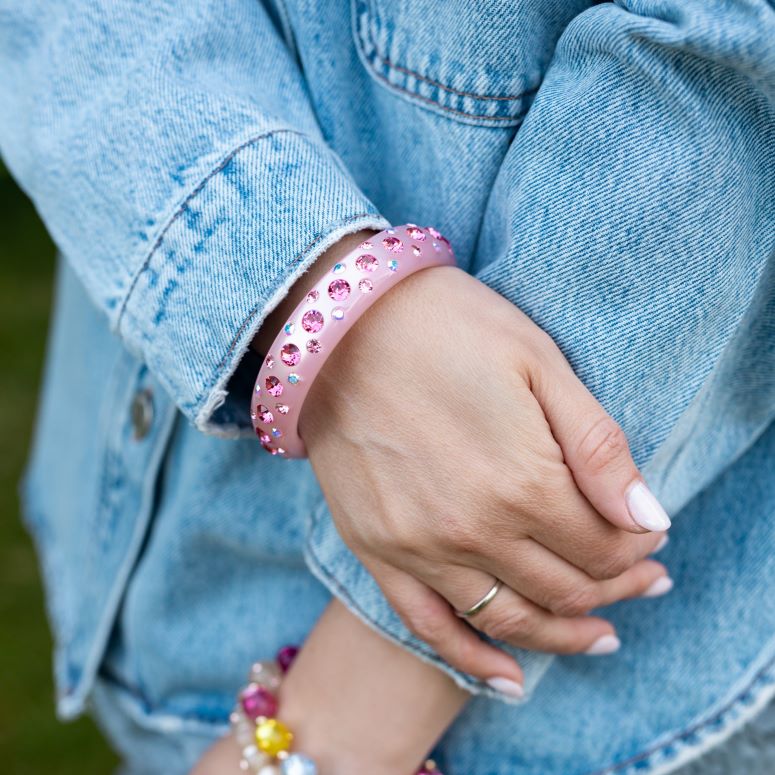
(142, 413)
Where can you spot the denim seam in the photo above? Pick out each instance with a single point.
(715, 719)
(183, 206)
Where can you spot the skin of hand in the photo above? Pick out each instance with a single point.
(455, 445)
(349, 697)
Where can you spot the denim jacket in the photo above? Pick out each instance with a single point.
(607, 167)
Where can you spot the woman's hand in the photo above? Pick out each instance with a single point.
(455, 445)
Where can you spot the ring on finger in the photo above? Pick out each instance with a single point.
(481, 604)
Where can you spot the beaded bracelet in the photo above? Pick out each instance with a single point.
(323, 317)
(265, 741)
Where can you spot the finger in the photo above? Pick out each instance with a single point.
(514, 619)
(576, 532)
(558, 586)
(596, 450)
(429, 617)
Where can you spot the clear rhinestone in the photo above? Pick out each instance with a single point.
(274, 387)
(416, 250)
(314, 346)
(393, 244)
(290, 354)
(365, 286)
(337, 313)
(339, 290)
(312, 321)
(367, 262)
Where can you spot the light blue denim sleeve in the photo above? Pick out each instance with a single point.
(173, 153)
(633, 219)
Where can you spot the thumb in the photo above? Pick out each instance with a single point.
(596, 450)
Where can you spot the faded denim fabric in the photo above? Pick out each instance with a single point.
(607, 167)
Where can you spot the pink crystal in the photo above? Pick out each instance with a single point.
(435, 234)
(272, 450)
(415, 232)
(365, 246)
(365, 286)
(285, 657)
(393, 244)
(366, 262)
(290, 354)
(264, 415)
(314, 346)
(282, 408)
(263, 436)
(257, 701)
(339, 290)
(269, 361)
(312, 296)
(274, 387)
(312, 321)
(416, 250)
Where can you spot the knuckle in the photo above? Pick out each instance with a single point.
(577, 602)
(610, 565)
(603, 444)
(425, 623)
(459, 534)
(516, 624)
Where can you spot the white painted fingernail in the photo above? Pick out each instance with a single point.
(605, 644)
(662, 544)
(645, 509)
(507, 686)
(659, 587)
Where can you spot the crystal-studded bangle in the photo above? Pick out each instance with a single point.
(264, 740)
(324, 316)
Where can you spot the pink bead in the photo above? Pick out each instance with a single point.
(366, 263)
(257, 701)
(274, 386)
(285, 657)
(393, 244)
(415, 232)
(339, 290)
(312, 321)
(290, 354)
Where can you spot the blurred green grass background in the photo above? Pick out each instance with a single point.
(32, 740)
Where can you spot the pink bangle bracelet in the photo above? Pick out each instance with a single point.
(323, 317)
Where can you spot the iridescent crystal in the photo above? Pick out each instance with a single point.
(415, 232)
(312, 296)
(365, 286)
(312, 321)
(393, 244)
(282, 408)
(277, 433)
(253, 758)
(264, 415)
(294, 379)
(314, 346)
(290, 354)
(273, 386)
(337, 313)
(289, 328)
(298, 764)
(393, 265)
(338, 268)
(367, 262)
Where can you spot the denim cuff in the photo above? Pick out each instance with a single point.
(346, 578)
(226, 258)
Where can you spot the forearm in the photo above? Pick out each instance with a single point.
(356, 702)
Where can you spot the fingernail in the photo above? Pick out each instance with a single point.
(645, 509)
(507, 686)
(661, 545)
(605, 644)
(659, 587)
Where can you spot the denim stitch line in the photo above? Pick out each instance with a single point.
(385, 60)
(184, 206)
(694, 728)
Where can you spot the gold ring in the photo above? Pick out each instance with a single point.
(483, 603)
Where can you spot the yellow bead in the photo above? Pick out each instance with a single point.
(273, 737)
